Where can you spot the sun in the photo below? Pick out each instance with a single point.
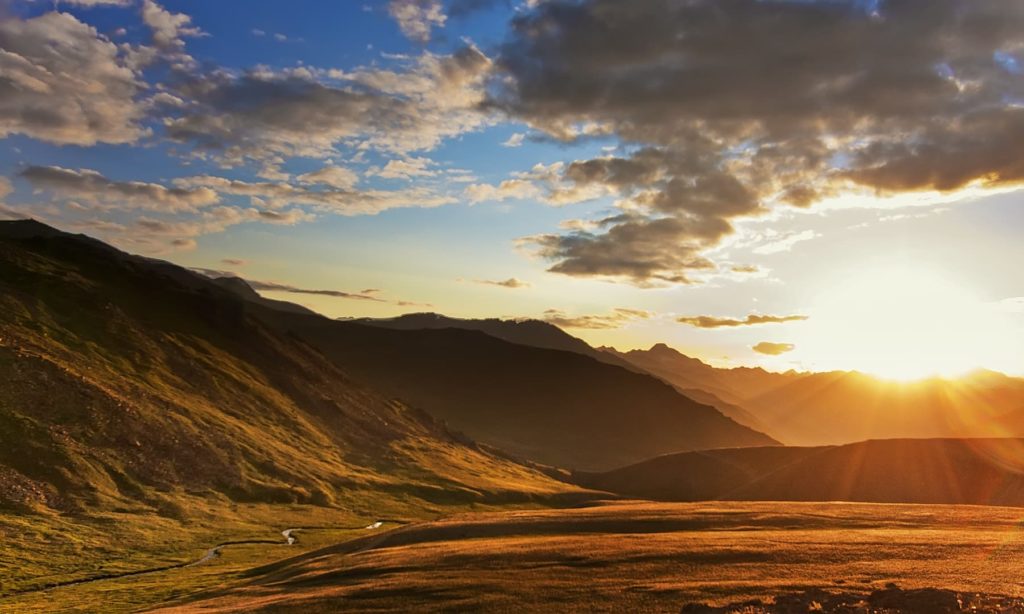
(903, 322)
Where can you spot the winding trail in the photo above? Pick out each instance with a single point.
(212, 553)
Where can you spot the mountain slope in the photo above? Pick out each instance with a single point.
(534, 333)
(694, 379)
(958, 471)
(539, 334)
(555, 407)
(131, 384)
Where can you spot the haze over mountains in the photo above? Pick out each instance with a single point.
(843, 406)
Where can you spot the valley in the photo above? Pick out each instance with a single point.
(173, 442)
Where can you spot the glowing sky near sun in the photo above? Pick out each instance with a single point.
(635, 172)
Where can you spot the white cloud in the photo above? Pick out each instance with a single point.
(334, 176)
(785, 242)
(62, 82)
(515, 140)
(417, 18)
(168, 28)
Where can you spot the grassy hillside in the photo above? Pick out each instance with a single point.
(137, 395)
(956, 471)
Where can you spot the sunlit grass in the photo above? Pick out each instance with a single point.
(648, 557)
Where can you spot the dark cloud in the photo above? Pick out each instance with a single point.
(751, 320)
(271, 286)
(634, 247)
(617, 318)
(730, 107)
(773, 349)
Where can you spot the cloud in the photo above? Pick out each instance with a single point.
(773, 349)
(417, 18)
(751, 320)
(168, 28)
(344, 201)
(633, 247)
(265, 113)
(234, 261)
(407, 168)
(785, 242)
(64, 83)
(745, 268)
(270, 286)
(515, 140)
(734, 107)
(617, 318)
(333, 176)
(90, 3)
(510, 188)
(90, 186)
(511, 282)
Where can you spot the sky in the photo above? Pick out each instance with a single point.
(793, 184)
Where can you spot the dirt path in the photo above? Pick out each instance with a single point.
(212, 553)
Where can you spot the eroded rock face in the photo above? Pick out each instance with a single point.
(890, 600)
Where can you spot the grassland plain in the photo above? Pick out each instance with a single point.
(641, 557)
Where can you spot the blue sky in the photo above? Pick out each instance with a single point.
(611, 168)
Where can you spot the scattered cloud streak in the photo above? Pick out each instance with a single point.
(270, 286)
(617, 318)
(751, 320)
(773, 349)
(511, 282)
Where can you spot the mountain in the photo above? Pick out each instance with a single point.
(554, 407)
(237, 285)
(842, 407)
(957, 471)
(534, 333)
(697, 380)
(731, 385)
(131, 384)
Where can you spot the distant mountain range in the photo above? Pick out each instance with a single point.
(960, 471)
(844, 406)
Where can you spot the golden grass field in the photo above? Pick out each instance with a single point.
(638, 557)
